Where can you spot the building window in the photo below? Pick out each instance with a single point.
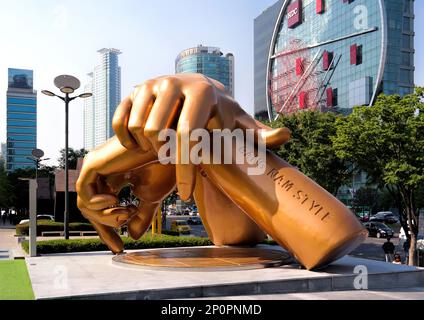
(320, 8)
(406, 59)
(299, 66)
(407, 24)
(327, 60)
(330, 97)
(355, 54)
(405, 76)
(407, 7)
(303, 100)
(406, 41)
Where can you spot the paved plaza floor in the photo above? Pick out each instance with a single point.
(96, 276)
(10, 248)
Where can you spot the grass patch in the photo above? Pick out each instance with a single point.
(90, 245)
(14, 281)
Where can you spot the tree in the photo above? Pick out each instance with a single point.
(387, 142)
(19, 190)
(73, 156)
(365, 197)
(311, 148)
(4, 187)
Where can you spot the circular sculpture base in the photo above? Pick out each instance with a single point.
(206, 259)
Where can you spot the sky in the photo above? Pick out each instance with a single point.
(54, 37)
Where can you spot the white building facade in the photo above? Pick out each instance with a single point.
(105, 83)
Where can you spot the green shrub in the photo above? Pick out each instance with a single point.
(170, 233)
(90, 245)
(46, 226)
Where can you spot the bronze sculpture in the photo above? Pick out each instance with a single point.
(236, 207)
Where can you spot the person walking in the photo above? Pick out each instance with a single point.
(389, 250)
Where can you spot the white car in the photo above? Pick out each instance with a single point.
(44, 217)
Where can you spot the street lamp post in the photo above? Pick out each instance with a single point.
(67, 85)
(37, 156)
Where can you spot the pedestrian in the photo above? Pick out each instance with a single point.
(398, 259)
(3, 217)
(406, 247)
(389, 250)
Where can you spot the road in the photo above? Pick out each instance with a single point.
(372, 249)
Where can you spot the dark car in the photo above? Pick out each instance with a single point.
(379, 230)
(384, 217)
(194, 221)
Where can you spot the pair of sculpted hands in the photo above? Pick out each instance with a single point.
(131, 158)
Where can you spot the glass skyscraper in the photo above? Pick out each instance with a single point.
(21, 119)
(332, 54)
(209, 61)
(105, 83)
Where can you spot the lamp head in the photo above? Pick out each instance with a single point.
(48, 93)
(37, 153)
(86, 95)
(67, 84)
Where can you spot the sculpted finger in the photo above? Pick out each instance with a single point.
(164, 112)
(143, 102)
(87, 193)
(115, 217)
(138, 225)
(120, 124)
(273, 138)
(110, 237)
(196, 112)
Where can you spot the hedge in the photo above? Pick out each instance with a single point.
(90, 245)
(46, 226)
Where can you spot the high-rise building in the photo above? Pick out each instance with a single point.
(332, 54)
(105, 83)
(209, 61)
(21, 119)
(264, 26)
(89, 115)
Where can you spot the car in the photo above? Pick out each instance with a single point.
(385, 217)
(194, 221)
(180, 226)
(194, 213)
(45, 217)
(379, 230)
(41, 217)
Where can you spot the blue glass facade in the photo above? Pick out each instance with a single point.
(21, 120)
(334, 55)
(210, 62)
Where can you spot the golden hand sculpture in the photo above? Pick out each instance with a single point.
(234, 205)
